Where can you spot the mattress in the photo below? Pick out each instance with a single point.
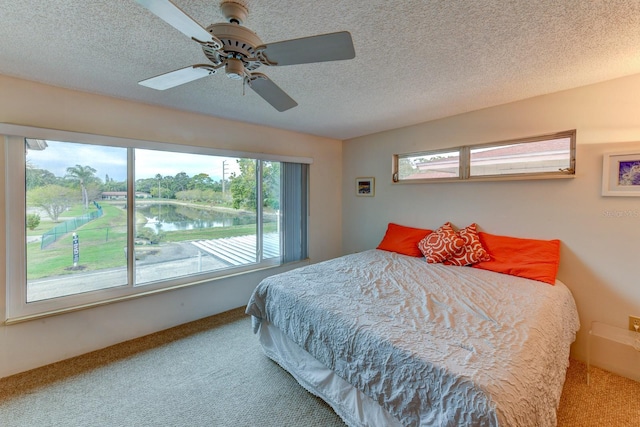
(427, 344)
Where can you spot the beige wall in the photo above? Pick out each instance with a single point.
(27, 345)
(600, 259)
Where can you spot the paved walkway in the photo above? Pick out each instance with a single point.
(170, 260)
(240, 250)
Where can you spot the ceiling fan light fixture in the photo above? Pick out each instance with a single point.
(234, 69)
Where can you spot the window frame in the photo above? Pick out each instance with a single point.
(17, 308)
(464, 173)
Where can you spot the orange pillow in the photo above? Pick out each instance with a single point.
(472, 252)
(441, 244)
(529, 258)
(403, 240)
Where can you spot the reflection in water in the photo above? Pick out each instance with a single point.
(170, 217)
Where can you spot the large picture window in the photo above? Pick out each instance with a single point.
(109, 220)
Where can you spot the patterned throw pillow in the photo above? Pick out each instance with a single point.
(441, 244)
(472, 251)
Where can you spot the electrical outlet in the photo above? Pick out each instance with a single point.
(633, 321)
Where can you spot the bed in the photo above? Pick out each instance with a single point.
(388, 339)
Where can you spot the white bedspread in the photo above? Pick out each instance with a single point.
(433, 344)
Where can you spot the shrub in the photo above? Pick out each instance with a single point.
(33, 221)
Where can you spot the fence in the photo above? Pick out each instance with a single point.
(69, 225)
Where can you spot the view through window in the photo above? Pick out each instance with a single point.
(533, 157)
(429, 165)
(75, 241)
(192, 214)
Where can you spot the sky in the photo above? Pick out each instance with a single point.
(58, 156)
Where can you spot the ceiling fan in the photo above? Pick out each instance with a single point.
(239, 51)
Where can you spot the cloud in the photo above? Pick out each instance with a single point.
(112, 161)
(58, 156)
(149, 163)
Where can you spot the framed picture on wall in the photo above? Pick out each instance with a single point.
(365, 186)
(621, 174)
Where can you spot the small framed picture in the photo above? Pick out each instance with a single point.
(621, 174)
(365, 186)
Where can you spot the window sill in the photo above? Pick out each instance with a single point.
(29, 317)
(523, 177)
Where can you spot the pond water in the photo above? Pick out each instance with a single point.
(171, 217)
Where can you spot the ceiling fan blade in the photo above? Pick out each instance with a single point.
(321, 48)
(177, 18)
(270, 92)
(177, 77)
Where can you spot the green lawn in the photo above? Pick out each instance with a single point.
(102, 242)
(216, 232)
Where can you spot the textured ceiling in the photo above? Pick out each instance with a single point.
(415, 60)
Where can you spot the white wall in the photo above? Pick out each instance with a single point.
(31, 344)
(600, 259)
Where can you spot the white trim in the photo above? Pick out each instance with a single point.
(17, 309)
(611, 170)
(53, 312)
(89, 138)
(16, 236)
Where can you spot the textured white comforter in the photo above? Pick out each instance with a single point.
(433, 344)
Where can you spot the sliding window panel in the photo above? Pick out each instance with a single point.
(271, 210)
(547, 156)
(428, 165)
(195, 214)
(76, 224)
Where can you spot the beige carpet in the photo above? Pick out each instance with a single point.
(213, 373)
(608, 401)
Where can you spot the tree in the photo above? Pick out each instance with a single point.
(271, 185)
(38, 177)
(83, 176)
(169, 187)
(94, 191)
(159, 180)
(201, 181)
(54, 199)
(114, 185)
(406, 167)
(243, 186)
(181, 182)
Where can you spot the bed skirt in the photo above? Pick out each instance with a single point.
(354, 407)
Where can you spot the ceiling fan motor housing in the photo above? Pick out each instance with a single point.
(237, 42)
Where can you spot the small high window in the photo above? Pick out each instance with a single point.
(546, 156)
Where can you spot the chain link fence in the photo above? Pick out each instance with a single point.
(69, 225)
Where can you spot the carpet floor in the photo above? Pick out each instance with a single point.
(212, 372)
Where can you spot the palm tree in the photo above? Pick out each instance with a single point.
(159, 178)
(83, 175)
